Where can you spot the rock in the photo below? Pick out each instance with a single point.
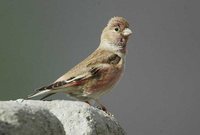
(58, 117)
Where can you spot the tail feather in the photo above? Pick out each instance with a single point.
(49, 90)
(38, 93)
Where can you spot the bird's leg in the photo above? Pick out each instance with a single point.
(102, 107)
(87, 102)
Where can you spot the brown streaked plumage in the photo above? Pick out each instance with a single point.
(98, 73)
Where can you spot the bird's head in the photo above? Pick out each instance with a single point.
(115, 34)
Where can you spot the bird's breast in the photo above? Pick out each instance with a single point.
(106, 79)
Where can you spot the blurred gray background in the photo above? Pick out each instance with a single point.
(159, 93)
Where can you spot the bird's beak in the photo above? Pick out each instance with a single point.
(126, 32)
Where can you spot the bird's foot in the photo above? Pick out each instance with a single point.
(103, 108)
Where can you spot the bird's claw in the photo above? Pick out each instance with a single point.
(103, 108)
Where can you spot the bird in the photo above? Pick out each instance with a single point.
(99, 72)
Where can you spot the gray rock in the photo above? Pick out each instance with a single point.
(58, 117)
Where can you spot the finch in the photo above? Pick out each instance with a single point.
(99, 72)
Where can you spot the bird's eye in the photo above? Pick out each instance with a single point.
(117, 29)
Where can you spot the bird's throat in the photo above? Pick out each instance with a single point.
(117, 48)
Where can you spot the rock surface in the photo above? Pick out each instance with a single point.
(58, 117)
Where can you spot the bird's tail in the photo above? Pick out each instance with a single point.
(49, 90)
(38, 93)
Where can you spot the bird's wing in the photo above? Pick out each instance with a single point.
(69, 83)
(87, 69)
